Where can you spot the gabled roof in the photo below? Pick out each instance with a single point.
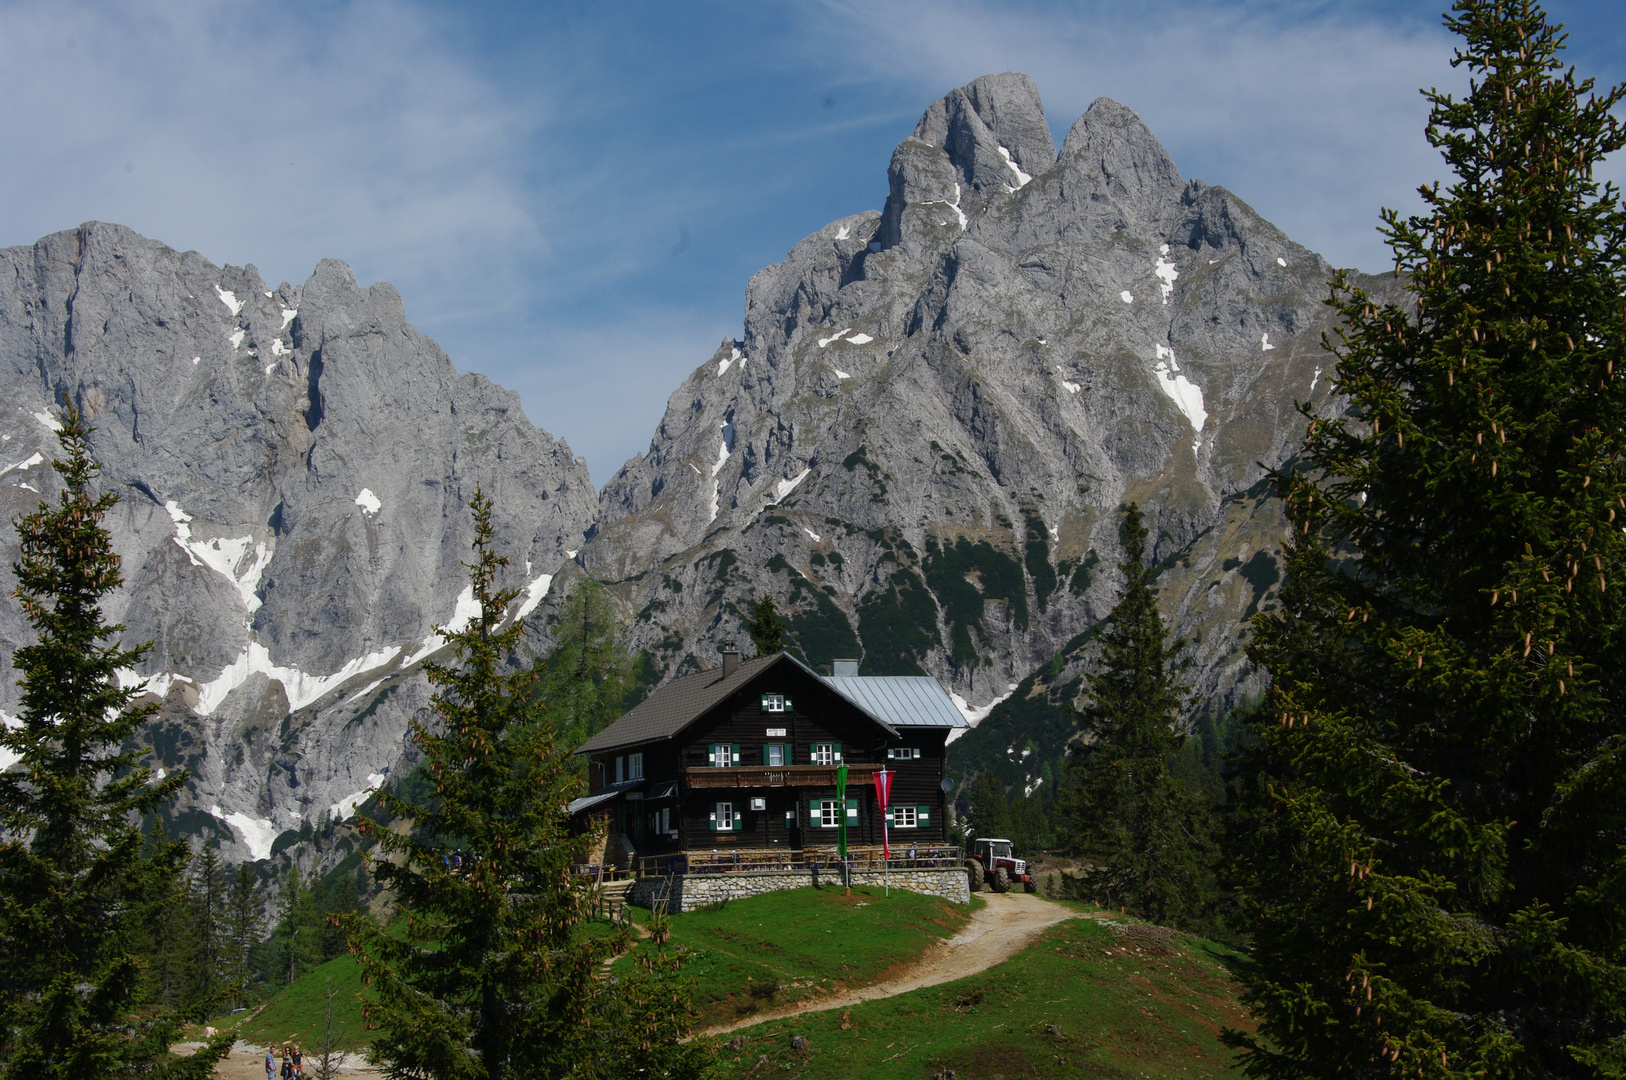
(904, 701)
(673, 707)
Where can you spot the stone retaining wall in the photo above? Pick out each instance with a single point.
(691, 891)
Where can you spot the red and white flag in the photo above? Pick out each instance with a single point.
(883, 796)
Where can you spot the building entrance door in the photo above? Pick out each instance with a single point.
(791, 807)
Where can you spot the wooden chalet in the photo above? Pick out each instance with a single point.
(744, 757)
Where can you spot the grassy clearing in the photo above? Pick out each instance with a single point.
(298, 1013)
(781, 948)
(1089, 999)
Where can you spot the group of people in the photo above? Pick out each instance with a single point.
(293, 1062)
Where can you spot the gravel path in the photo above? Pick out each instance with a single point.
(1009, 924)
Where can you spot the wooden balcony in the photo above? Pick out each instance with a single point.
(772, 776)
(779, 860)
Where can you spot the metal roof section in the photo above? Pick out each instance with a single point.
(902, 701)
(673, 707)
(602, 796)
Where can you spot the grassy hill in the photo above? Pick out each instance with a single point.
(298, 1013)
(781, 948)
(1092, 998)
(1107, 998)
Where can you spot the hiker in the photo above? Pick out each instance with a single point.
(270, 1063)
(299, 1062)
(287, 1062)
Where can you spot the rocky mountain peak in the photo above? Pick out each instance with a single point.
(993, 130)
(1109, 151)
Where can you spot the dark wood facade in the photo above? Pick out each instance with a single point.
(741, 775)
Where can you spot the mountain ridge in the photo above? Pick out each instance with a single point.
(918, 447)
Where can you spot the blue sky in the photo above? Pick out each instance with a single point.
(571, 197)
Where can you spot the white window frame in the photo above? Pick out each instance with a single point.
(774, 703)
(905, 817)
(826, 753)
(903, 753)
(635, 766)
(727, 819)
(830, 811)
(768, 755)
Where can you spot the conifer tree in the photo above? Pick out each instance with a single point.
(207, 933)
(584, 681)
(244, 912)
(766, 627)
(1146, 837)
(1436, 807)
(989, 808)
(493, 976)
(74, 876)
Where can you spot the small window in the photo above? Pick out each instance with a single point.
(826, 753)
(775, 703)
(759, 803)
(620, 769)
(773, 754)
(829, 813)
(903, 753)
(722, 755)
(905, 817)
(635, 767)
(723, 818)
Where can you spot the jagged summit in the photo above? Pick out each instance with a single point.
(292, 465)
(920, 443)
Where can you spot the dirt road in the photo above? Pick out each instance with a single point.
(247, 1062)
(1009, 923)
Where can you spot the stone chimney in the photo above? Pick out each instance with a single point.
(844, 669)
(731, 662)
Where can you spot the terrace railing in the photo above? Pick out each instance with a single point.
(770, 860)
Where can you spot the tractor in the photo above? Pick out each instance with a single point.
(989, 862)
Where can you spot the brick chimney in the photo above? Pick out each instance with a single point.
(731, 662)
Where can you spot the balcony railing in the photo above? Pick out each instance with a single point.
(755, 776)
(770, 860)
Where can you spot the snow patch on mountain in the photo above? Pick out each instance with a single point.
(302, 689)
(258, 833)
(1166, 273)
(223, 556)
(1021, 177)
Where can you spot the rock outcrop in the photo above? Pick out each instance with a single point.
(293, 467)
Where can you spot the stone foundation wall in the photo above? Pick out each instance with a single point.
(689, 892)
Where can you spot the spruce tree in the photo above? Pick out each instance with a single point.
(244, 913)
(494, 976)
(1433, 860)
(207, 934)
(766, 627)
(1146, 837)
(584, 681)
(989, 808)
(75, 878)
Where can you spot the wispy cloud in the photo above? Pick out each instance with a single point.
(270, 135)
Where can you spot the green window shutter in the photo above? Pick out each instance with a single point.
(766, 747)
(714, 821)
(814, 820)
(923, 814)
(889, 820)
(852, 811)
(711, 755)
(837, 747)
(734, 752)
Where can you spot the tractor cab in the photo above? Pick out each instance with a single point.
(991, 863)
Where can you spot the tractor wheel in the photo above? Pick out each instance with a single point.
(1002, 880)
(973, 873)
(1030, 886)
